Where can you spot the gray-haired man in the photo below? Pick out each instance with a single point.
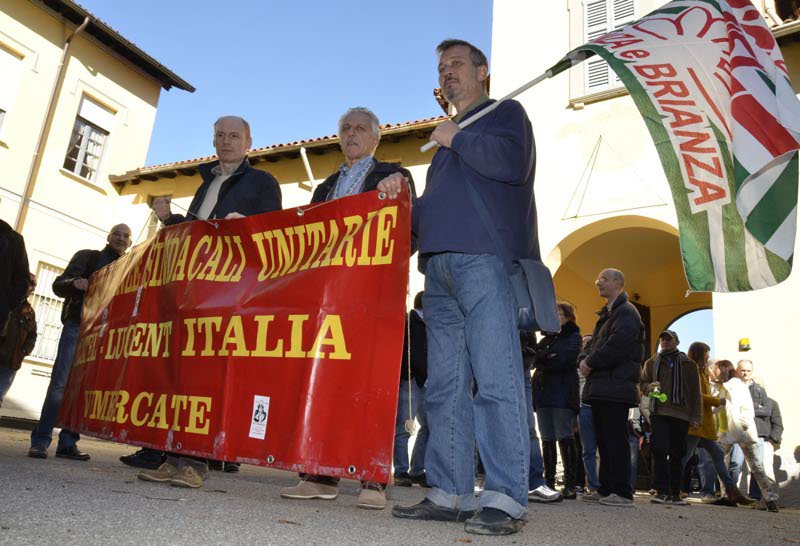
(359, 135)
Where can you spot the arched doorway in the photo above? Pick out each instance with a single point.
(647, 251)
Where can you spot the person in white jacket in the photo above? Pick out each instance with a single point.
(737, 426)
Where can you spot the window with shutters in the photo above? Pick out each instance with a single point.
(10, 73)
(602, 17)
(48, 312)
(88, 140)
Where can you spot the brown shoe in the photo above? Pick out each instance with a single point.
(187, 477)
(308, 489)
(372, 496)
(164, 474)
(735, 496)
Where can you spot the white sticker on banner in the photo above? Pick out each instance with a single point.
(258, 421)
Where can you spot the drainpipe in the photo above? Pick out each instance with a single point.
(23, 206)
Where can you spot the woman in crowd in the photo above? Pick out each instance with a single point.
(738, 427)
(555, 397)
(705, 436)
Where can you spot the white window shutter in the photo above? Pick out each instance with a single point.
(10, 73)
(596, 23)
(96, 113)
(624, 13)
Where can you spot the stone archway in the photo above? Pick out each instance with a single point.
(647, 251)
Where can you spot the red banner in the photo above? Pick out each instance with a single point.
(273, 340)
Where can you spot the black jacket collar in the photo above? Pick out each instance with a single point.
(206, 169)
(621, 299)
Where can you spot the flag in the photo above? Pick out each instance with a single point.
(710, 82)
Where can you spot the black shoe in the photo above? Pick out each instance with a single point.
(73, 453)
(421, 480)
(723, 501)
(37, 452)
(144, 458)
(403, 480)
(231, 467)
(661, 499)
(491, 521)
(677, 500)
(772, 506)
(216, 465)
(430, 511)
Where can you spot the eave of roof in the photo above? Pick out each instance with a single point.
(113, 40)
(391, 132)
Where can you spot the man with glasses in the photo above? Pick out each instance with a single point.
(72, 285)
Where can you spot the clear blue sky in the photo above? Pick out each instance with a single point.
(291, 67)
(696, 326)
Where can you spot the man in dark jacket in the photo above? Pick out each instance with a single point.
(413, 374)
(775, 426)
(763, 410)
(72, 285)
(359, 135)
(612, 366)
(231, 189)
(13, 270)
(13, 286)
(470, 312)
(675, 375)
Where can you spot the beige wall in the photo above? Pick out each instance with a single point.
(627, 190)
(67, 213)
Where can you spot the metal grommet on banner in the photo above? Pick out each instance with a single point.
(381, 196)
(300, 212)
(178, 446)
(270, 459)
(351, 469)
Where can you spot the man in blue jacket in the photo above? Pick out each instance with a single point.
(470, 310)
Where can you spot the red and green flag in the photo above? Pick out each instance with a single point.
(709, 80)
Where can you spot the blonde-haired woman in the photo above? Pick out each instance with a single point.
(738, 426)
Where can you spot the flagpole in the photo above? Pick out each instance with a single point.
(555, 69)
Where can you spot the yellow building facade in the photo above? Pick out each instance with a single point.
(77, 102)
(603, 199)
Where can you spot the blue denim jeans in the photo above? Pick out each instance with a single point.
(536, 468)
(401, 435)
(633, 442)
(709, 471)
(471, 319)
(42, 435)
(6, 379)
(737, 462)
(589, 443)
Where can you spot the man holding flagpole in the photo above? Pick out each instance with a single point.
(483, 171)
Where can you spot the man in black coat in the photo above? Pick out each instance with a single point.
(72, 285)
(231, 188)
(612, 365)
(359, 135)
(13, 287)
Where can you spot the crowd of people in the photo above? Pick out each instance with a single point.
(467, 379)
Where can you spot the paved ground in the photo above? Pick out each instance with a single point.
(101, 502)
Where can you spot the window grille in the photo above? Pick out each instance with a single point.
(48, 312)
